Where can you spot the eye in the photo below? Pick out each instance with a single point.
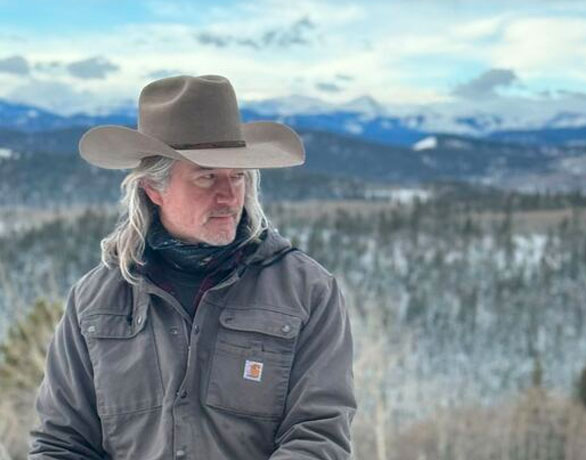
(205, 180)
(237, 176)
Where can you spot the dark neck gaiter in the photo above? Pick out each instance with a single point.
(198, 258)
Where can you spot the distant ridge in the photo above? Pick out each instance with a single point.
(362, 118)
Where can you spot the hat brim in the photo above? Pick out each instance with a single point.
(268, 145)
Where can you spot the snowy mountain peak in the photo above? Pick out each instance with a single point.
(290, 105)
(426, 143)
(567, 120)
(366, 105)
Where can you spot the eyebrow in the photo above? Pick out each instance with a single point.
(203, 169)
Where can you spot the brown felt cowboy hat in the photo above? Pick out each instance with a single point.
(195, 119)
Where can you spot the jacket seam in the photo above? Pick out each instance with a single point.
(131, 411)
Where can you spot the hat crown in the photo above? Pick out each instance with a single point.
(187, 110)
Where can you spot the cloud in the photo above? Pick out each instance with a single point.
(296, 33)
(328, 87)
(479, 28)
(485, 85)
(344, 77)
(16, 65)
(249, 42)
(52, 95)
(92, 68)
(48, 65)
(543, 45)
(206, 38)
(572, 94)
(323, 44)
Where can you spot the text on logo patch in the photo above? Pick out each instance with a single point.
(253, 370)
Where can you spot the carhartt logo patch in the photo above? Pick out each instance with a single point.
(253, 370)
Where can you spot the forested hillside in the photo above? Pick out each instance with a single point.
(469, 298)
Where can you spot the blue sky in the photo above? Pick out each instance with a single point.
(73, 55)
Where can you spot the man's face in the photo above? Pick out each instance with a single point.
(201, 204)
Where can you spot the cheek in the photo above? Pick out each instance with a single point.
(192, 209)
(185, 208)
(241, 193)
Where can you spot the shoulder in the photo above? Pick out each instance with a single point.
(277, 257)
(295, 282)
(303, 262)
(101, 287)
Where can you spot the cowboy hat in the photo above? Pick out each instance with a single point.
(195, 119)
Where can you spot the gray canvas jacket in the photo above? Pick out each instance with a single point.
(264, 370)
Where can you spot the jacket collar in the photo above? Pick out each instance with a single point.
(271, 249)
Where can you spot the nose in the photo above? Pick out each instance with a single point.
(225, 193)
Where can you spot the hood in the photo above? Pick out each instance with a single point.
(270, 250)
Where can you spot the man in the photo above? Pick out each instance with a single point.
(202, 334)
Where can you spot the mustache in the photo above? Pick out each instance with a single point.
(224, 212)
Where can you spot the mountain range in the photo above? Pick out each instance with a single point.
(351, 151)
(362, 118)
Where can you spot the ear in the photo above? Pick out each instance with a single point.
(154, 195)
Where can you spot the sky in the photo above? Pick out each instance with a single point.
(95, 55)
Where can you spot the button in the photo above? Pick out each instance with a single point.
(286, 328)
(139, 320)
(196, 329)
(91, 329)
(183, 394)
(174, 331)
(180, 453)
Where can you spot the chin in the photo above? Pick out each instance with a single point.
(220, 240)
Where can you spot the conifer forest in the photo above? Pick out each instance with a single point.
(467, 304)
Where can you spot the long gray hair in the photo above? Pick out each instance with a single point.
(124, 247)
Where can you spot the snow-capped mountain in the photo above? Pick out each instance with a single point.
(358, 116)
(363, 117)
(366, 106)
(291, 105)
(567, 120)
(27, 118)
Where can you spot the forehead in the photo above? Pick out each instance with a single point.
(183, 167)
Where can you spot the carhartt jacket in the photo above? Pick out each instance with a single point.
(264, 370)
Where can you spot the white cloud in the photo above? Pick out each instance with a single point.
(16, 65)
(543, 45)
(53, 96)
(478, 29)
(398, 52)
(96, 67)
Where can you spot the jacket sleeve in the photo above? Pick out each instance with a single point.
(320, 403)
(68, 426)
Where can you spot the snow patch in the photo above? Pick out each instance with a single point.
(426, 144)
(354, 128)
(398, 195)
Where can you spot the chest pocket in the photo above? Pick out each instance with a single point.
(252, 361)
(127, 376)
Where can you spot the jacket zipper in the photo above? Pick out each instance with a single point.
(228, 282)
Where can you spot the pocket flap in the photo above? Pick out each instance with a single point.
(260, 320)
(110, 324)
